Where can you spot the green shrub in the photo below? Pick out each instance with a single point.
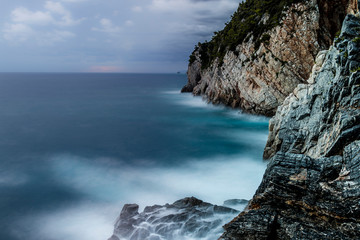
(192, 58)
(337, 34)
(355, 69)
(356, 40)
(245, 21)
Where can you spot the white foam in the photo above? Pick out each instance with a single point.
(193, 101)
(109, 184)
(189, 100)
(88, 221)
(172, 92)
(247, 138)
(207, 179)
(247, 117)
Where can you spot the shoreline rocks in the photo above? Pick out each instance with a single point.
(188, 217)
(311, 188)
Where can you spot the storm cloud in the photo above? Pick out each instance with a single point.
(106, 36)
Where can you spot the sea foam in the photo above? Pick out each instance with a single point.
(107, 184)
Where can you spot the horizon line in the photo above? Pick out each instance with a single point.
(78, 72)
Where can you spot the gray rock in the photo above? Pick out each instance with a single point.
(114, 238)
(193, 73)
(129, 210)
(188, 217)
(311, 188)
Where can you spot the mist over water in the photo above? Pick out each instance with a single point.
(76, 147)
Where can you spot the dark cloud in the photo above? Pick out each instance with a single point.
(81, 34)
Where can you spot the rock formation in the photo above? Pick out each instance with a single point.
(188, 218)
(260, 72)
(311, 188)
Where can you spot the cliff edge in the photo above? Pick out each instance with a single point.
(311, 188)
(264, 52)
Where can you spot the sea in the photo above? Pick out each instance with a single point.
(76, 147)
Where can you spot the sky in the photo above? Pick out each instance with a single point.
(145, 36)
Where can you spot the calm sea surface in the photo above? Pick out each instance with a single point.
(75, 147)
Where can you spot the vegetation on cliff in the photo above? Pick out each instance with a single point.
(253, 18)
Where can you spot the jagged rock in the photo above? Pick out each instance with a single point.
(311, 188)
(234, 202)
(114, 238)
(188, 217)
(193, 74)
(129, 210)
(322, 123)
(258, 78)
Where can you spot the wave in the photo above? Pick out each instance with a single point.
(85, 220)
(172, 92)
(189, 100)
(194, 101)
(254, 140)
(238, 114)
(110, 183)
(111, 179)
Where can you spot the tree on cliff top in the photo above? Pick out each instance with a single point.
(253, 18)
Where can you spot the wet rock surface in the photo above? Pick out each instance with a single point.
(188, 218)
(258, 79)
(311, 188)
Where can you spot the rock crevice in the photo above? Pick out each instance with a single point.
(311, 188)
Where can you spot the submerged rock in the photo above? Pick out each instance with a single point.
(311, 188)
(188, 217)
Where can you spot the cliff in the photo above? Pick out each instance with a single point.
(311, 188)
(264, 52)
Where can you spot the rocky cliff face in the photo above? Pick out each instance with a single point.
(311, 188)
(262, 71)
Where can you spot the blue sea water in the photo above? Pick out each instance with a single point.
(75, 147)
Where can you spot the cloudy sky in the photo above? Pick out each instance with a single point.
(106, 35)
